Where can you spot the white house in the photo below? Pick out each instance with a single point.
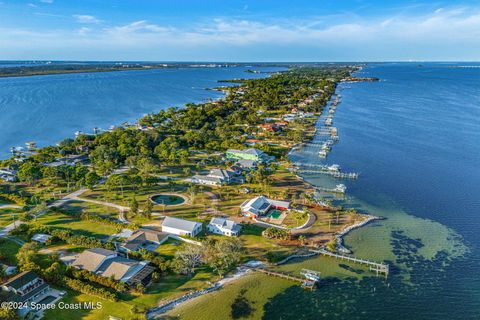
(261, 205)
(181, 227)
(216, 177)
(224, 227)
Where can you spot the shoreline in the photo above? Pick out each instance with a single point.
(126, 122)
(242, 270)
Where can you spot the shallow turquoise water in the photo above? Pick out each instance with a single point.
(414, 139)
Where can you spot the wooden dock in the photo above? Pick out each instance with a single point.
(379, 268)
(306, 283)
(338, 175)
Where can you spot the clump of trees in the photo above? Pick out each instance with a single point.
(85, 275)
(220, 255)
(274, 233)
(86, 288)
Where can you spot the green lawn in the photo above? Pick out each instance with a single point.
(256, 288)
(87, 228)
(108, 308)
(7, 216)
(168, 248)
(8, 250)
(91, 208)
(174, 286)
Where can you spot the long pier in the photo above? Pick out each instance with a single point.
(379, 268)
(339, 175)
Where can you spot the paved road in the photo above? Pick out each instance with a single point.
(9, 206)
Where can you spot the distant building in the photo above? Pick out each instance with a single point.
(216, 177)
(8, 175)
(261, 205)
(107, 263)
(144, 239)
(248, 154)
(247, 164)
(41, 238)
(70, 160)
(207, 180)
(270, 127)
(181, 227)
(9, 270)
(224, 227)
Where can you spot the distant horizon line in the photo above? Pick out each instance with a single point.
(244, 62)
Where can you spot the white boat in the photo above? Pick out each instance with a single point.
(340, 188)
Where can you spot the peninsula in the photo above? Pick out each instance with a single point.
(142, 214)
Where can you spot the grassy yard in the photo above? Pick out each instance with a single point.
(169, 287)
(257, 247)
(256, 288)
(174, 286)
(8, 215)
(119, 309)
(8, 250)
(168, 248)
(66, 222)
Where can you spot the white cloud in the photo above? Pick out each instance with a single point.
(85, 18)
(440, 34)
(83, 31)
(32, 5)
(47, 1)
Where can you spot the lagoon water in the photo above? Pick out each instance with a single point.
(49, 108)
(414, 137)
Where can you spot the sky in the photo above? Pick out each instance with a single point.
(261, 30)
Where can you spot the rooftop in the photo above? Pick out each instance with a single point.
(180, 224)
(92, 259)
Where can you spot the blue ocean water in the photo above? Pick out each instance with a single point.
(414, 137)
(49, 108)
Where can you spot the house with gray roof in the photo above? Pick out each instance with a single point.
(92, 259)
(144, 239)
(107, 263)
(216, 177)
(249, 154)
(247, 164)
(260, 206)
(224, 227)
(181, 227)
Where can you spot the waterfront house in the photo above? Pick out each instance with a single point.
(107, 263)
(269, 127)
(181, 227)
(144, 239)
(260, 206)
(248, 154)
(224, 227)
